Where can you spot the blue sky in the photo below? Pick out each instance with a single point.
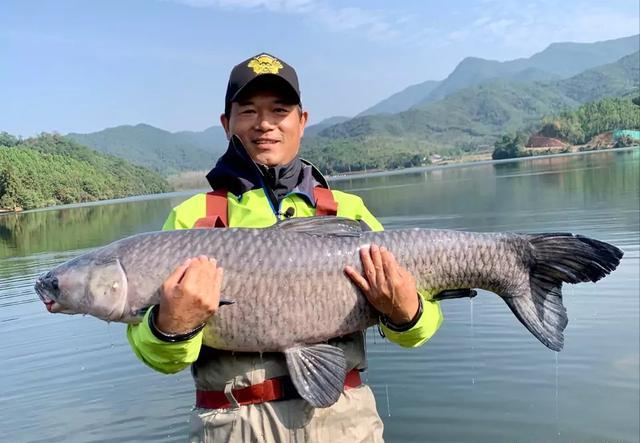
(83, 65)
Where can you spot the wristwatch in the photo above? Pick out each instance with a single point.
(170, 338)
(405, 327)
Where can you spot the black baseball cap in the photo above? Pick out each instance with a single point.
(261, 66)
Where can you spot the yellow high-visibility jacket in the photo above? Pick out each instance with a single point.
(253, 209)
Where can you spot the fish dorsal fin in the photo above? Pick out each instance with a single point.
(318, 373)
(322, 226)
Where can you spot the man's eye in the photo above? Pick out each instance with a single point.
(282, 110)
(247, 111)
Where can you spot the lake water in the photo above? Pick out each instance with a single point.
(482, 378)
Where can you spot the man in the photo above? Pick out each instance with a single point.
(260, 180)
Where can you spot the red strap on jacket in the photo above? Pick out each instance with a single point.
(325, 203)
(216, 212)
(217, 207)
(280, 388)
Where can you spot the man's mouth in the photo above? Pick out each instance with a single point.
(265, 141)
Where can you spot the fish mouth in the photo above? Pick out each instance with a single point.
(52, 305)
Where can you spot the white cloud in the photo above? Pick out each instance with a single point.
(528, 26)
(512, 28)
(375, 25)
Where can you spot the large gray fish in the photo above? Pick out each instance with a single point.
(290, 294)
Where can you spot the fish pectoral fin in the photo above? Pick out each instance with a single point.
(322, 226)
(448, 294)
(318, 373)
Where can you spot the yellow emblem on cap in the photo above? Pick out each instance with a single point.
(265, 64)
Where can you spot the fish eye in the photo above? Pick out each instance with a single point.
(54, 284)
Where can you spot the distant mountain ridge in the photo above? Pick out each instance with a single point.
(466, 120)
(327, 122)
(557, 61)
(403, 100)
(498, 103)
(478, 101)
(157, 149)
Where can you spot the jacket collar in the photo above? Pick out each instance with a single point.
(238, 173)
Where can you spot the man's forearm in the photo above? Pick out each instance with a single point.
(422, 331)
(165, 357)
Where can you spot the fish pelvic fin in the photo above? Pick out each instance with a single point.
(318, 373)
(558, 258)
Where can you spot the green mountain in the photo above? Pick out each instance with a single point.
(467, 119)
(403, 100)
(615, 79)
(157, 149)
(497, 106)
(327, 122)
(480, 100)
(50, 170)
(557, 61)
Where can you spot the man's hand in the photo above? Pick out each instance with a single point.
(189, 296)
(389, 287)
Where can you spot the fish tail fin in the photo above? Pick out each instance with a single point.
(558, 258)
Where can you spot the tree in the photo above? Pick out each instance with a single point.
(8, 140)
(509, 146)
(9, 187)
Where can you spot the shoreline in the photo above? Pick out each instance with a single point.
(468, 163)
(330, 178)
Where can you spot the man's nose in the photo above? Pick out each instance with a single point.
(264, 122)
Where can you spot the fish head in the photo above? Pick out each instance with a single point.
(86, 285)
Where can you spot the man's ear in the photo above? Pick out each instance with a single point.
(304, 116)
(225, 124)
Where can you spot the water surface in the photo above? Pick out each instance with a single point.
(482, 378)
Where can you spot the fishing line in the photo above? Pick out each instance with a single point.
(473, 343)
(386, 388)
(556, 397)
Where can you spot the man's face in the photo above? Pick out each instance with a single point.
(269, 126)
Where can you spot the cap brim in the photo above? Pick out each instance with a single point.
(266, 77)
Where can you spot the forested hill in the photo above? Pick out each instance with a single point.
(468, 120)
(580, 125)
(51, 170)
(159, 150)
(557, 61)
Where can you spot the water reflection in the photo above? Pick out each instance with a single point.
(80, 227)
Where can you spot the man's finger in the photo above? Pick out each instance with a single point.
(357, 278)
(376, 258)
(367, 264)
(178, 273)
(218, 279)
(200, 273)
(390, 265)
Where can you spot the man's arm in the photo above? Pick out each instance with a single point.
(412, 318)
(169, 337)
